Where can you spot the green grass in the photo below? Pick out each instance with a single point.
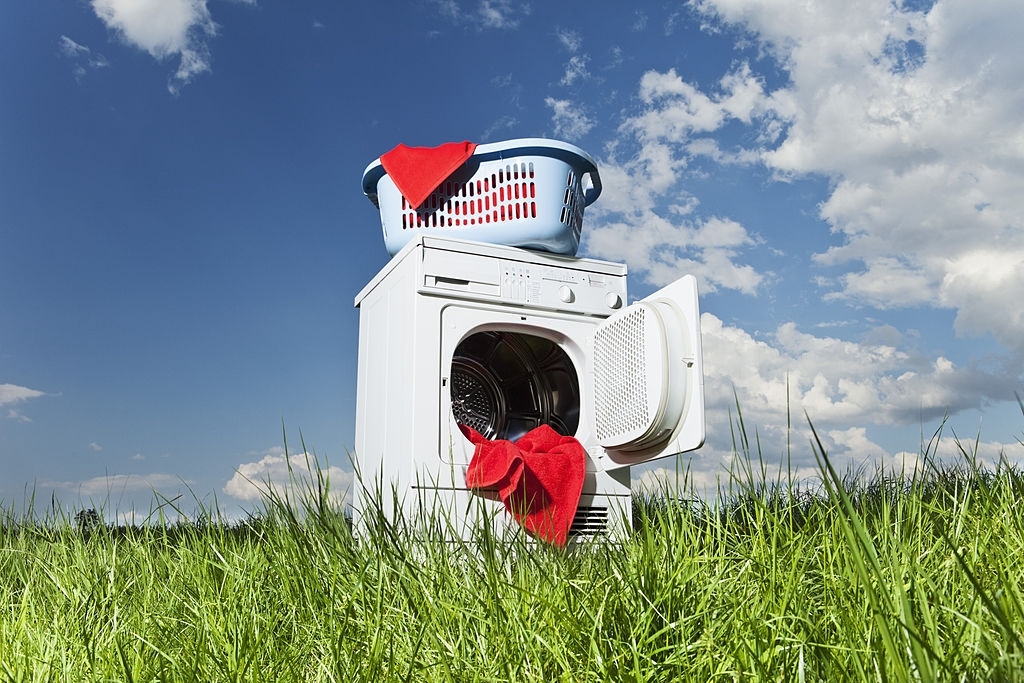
(892, 577)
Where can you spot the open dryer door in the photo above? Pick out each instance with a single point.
(648, 378)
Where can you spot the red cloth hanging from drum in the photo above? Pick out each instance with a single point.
(539, 478)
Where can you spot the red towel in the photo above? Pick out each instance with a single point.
(417, 171)
(539, 478)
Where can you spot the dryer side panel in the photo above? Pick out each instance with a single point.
(384, 401)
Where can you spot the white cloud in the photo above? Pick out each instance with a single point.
(289, 477)
(790, 377)
(837, 382)
(915, 122)
(645, 214)
(500, 13)
(484, 14)
(915, 118)
(11, 395)
(84, 59)
(570, 40)
(575, 70)
(70, 48)
(660, 249)
(165, 29)
(640, 21)
(571, 122)
(109, 484)
(95, 447)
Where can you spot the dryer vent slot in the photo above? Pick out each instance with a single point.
(589, 521)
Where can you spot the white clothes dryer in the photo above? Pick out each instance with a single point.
(505, 339)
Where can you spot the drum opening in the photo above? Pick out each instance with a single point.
(503, 384)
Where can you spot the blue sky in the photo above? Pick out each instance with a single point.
(182, 228)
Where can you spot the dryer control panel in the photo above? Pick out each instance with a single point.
(516, 276)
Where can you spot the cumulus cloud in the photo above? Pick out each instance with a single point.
(166, 29)
(278, 475)
(645, 215)
(764, 390)
(788, 376)
(915, 117)
(914, 121)
(660, 249)
(837, 382)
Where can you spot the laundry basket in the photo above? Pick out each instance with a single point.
(528, 192)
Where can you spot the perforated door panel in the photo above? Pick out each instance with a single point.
(629, 387)
(648, 377)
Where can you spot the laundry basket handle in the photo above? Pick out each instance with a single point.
(594, 191)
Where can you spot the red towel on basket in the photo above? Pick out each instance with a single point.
(417, 171)
(539, 478)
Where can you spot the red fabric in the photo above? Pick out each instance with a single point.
(539, 478)
(417, 171)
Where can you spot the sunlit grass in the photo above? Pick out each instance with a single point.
(895, 576)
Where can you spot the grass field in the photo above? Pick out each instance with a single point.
(893, 577)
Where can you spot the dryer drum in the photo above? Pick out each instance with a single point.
(503, 384)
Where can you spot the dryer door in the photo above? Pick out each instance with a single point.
(648, 378)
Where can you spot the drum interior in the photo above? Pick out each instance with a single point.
(503, 384)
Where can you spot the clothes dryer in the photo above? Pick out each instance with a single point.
(505, 339)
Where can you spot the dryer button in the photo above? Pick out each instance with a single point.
(613, 300)
(566, 294)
